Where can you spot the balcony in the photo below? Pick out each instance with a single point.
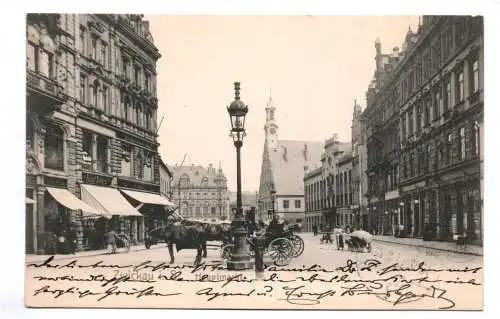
(43, 93)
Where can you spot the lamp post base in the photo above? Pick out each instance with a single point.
(240, 265)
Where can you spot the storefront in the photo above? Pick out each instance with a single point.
(126, 219)
(154, 207)
(64, 216)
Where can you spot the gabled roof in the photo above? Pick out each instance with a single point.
(196, 174)
(288, 162)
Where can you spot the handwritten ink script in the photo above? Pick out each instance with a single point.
(366, 284)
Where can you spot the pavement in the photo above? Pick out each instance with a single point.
(469, 249)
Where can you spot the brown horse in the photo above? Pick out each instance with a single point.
(184, 237)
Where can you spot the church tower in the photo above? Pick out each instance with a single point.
(271, 128)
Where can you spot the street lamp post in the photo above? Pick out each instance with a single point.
(240, 258)
(273, 199)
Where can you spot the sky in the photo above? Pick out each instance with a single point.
(314, 67)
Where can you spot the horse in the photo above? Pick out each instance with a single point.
(185, 237)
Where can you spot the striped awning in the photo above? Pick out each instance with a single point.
(107, 199)
(148, 198)
(68, 200)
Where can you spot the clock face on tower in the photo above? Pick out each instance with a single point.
(272, 130)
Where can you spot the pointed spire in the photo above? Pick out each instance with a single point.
(270, 102)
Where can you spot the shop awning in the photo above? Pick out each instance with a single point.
(149, 198)
(28, 200)
(68, 200)
(107, 199)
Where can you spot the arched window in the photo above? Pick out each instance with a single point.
(184, 181)
(54, 148)
(204, 182)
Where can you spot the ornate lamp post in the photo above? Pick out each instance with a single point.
(239, 258)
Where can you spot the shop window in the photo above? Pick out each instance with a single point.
(54, 148)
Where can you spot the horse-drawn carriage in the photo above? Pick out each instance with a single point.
(281, 245)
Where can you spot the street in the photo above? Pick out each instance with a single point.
(391, 275)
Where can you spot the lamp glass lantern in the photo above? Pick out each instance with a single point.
(237, 111)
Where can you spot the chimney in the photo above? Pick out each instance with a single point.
(305, 151)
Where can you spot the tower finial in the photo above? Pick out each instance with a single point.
(236, 90)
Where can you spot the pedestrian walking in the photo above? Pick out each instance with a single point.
(111, 240)
(315, 230)
(72, 240)
(339, 237)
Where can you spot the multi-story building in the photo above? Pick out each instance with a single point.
(200, 192)
(166, 177)
(90, 127)
(430, 97)
(283, 163)
(344, 199)
(313, 179)
(359, 164)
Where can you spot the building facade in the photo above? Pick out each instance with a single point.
(427, 183)
(344, 193)
(313, 179)
(90, 127)
(166, 177)
(282, 170)
(248, 200)
(200, 192)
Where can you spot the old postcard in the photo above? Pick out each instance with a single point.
(254, 162)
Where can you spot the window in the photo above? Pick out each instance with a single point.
(449, 141)
(427, 114)
(45, 63)
(81, 47)
(476, 137)
(147, 167)
(403, 126)
(124, 66)
(87, 151)
(410, 122)
(412, 162)
(286, 203)
(104, 55)
(447, 96)
(475, 76)
(212, 211)
(102, 154)
(32, 57)
(95, 88)
(297, 203)
(105, 99)
(419, 119)
(83, 89)
(437, 100)
(197, 210)
(137, 75)
(147, 79)
(94, 48)
(126, 165)
(460, 86)
(54, 148)
(462, 143)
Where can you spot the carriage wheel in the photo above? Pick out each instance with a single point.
(298, 246)
(226, 251)
(280, 251)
